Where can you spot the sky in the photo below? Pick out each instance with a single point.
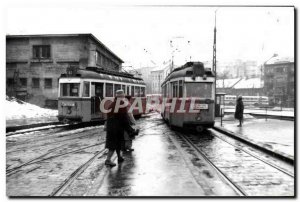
(141, 34)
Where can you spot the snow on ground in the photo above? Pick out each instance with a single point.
(16, 109)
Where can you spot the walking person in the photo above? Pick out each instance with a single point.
(239, 110)
(117, 123)
(127, 144)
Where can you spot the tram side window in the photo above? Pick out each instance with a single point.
(175, 88)
(142, 92)
(123, 88)
(180, 89)
(69, 89)
(117, 87)
(132, 91)
(86, 89)
(109, 90)
(127, 92)
(136, 91)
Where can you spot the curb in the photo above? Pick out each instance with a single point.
(276, 154)
(22, 127)
(288, 118)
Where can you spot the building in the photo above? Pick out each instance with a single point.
(241, 86)
(249, 87)
(279, 81)
(145, 73)
(157, 76)
(35, 62)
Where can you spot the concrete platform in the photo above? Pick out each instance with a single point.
(276, 135)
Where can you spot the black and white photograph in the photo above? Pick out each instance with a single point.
(112, 100)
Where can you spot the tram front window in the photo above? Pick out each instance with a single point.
(69, 89)
(202, 90)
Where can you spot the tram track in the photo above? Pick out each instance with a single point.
(60, 189)
(241, 169)
(68, 181)
(43, 157)
(256, 156)
(58, 126)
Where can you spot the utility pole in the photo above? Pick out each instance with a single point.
(214, 47)
(214, 67)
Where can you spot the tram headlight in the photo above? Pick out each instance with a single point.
(198, 118)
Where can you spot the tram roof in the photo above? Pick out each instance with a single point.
(91, 73)
(190, 69)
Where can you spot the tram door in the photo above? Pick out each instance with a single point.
(97, 96)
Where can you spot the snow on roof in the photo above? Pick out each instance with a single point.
(249, 83)
(277, 60)
(16, 109)
(227, 83)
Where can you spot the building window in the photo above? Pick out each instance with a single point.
(48, 83)
(10, 82)
(40, 52)
(23, 82)
(35, 83)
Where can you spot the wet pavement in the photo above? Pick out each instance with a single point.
(158, 167)
(273, 134)
(161, 165)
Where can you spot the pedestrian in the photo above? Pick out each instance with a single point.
(239, 110)
(116, 124)
(127, 144)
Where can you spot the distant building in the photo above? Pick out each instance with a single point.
(35, 62)
(249, 87)
(241, 86)
(145, 73)
(157, 76)
(279, 82)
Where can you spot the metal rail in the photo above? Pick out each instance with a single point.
(277, 155)
(255, 156)
(59, 190)
(235, 187)
(40, 158)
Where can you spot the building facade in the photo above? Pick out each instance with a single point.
(35, 62)
(279, 81)
(157, 80)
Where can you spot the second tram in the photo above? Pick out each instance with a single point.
(82, 90)
(192, 88)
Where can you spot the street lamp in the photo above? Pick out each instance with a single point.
(263, 67)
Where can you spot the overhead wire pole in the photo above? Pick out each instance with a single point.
(215, 46)
(214, 65)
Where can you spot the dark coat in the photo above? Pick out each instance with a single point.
(239, 109)
(116, 124)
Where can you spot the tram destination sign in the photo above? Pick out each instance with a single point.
(201, 106)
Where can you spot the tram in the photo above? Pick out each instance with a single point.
(190, 91)
(248, 100)
(82, 90)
